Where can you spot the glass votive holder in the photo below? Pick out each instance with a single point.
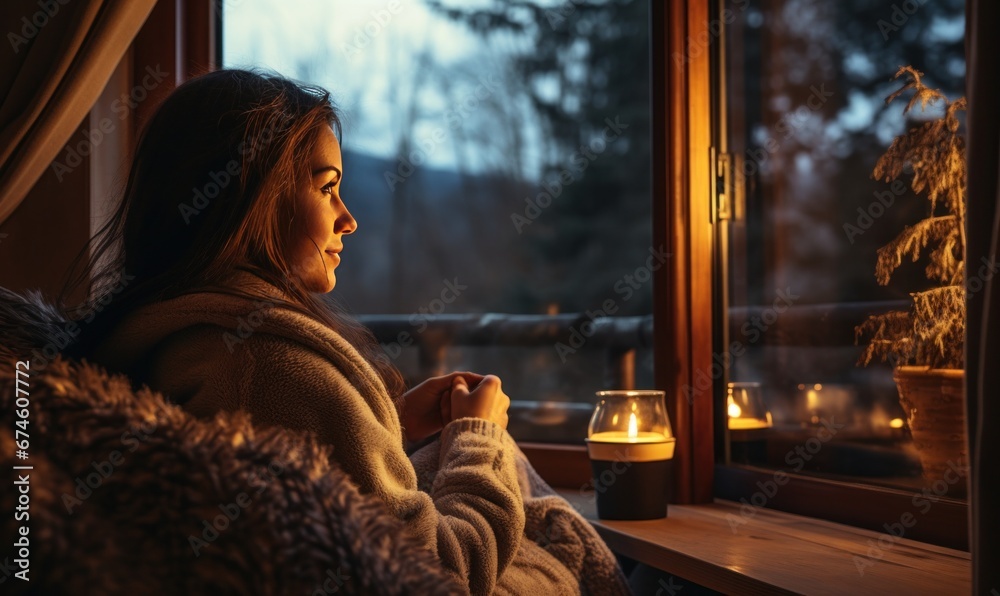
(631, 448)
(826, 401)
(745, 407)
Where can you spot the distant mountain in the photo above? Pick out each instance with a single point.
(452, 227)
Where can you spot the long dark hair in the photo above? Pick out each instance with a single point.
(211, 190)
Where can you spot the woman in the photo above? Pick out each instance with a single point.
(206, 289)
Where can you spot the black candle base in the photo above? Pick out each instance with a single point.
(631, 490)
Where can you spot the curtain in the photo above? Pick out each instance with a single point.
(59, 55)
(983, 328)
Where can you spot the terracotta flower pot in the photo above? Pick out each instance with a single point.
(934, 402)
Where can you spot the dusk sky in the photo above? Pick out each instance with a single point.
(371, 69)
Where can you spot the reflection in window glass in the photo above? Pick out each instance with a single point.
(805, 117)
(497, 160)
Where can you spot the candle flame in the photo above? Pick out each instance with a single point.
(633, 426)
(734, 409)
(896, 423)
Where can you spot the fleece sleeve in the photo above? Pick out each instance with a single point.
(473, 517)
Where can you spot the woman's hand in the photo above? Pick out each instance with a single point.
(427, 407)
(487, 400)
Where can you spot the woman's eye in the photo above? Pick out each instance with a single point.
(328, 189)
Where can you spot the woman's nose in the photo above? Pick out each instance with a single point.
(345, 224)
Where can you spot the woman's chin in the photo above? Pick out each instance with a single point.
(329, 285)
(317, 280)
(323, 287)
(320, 284)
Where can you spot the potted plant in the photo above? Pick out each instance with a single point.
(925, 344)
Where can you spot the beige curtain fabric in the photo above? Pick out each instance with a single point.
(56, 59)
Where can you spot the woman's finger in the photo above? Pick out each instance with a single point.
(471, 379)
(459, 387)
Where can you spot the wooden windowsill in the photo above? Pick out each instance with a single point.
(777, 552)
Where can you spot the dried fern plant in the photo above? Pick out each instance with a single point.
(932, 332)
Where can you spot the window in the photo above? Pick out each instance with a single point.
(497, 160)
(801, 123)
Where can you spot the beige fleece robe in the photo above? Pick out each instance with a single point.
(210, 351)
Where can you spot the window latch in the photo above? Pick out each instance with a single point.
(726, 195)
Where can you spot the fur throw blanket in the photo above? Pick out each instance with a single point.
(129, 494)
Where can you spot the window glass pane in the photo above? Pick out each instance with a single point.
(805, 119)
(497, 160)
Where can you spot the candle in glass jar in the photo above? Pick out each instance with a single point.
(630, 446)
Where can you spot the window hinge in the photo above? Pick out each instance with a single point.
(725, 192)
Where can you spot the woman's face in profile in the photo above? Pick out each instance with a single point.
(321, 218)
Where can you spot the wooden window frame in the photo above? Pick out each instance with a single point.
(182, 38)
